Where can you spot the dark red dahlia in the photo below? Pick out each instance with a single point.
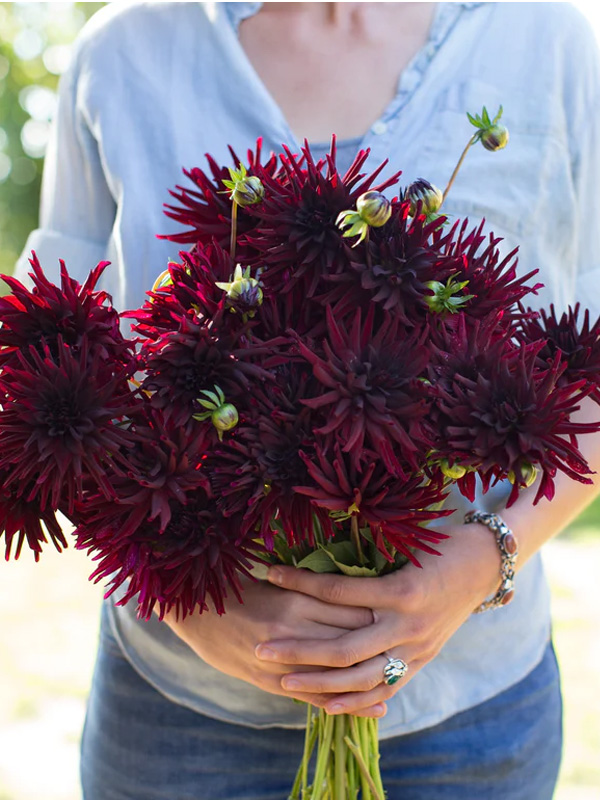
(578, 348)
(493, 281)
(192, 293)
(71, 312)
(182, 363)
(23, 520)
(512, 414)
(62, 421)
(370, 397)
(393, 267)
(256, 474)
(206, 211)
(198, 555)
(394, 509)
(297, 239)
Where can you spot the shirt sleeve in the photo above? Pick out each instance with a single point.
(77, 209)
(585, 132)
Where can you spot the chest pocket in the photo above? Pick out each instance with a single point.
(525, 188)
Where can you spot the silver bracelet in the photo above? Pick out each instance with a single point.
(507, 544)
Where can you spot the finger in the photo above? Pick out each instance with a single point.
(336, 589)
(344, 651)
(360, 678)
(339, 616)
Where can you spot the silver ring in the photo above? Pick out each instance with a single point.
(394, 670)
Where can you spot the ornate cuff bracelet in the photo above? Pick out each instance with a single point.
(507, 544)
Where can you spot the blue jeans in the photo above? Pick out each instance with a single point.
(138, 745)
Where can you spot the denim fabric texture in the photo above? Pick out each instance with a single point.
(138, 745)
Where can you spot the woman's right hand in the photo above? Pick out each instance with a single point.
(228, 642)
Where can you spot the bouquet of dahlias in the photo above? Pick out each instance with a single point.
(305, 385)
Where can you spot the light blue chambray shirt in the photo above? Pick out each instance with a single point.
(154, 86)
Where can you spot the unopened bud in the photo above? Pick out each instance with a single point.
(427, 194)
(244, 293)
(495, 138)
(454, 471)
(528, 474)
(225, 418)
(244, 189)
(374, 208)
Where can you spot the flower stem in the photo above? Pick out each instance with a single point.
(233, 239)
(355, 534)
(368, 780)
(339, 792)
(374, 738)
(323, 754)
(300, 787)
(471, 141)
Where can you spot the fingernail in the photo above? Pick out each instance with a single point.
(291, 683)
(378, 709)
(265, 653)
(336, 708)
(274, 575)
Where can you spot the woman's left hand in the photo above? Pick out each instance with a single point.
(415, 612)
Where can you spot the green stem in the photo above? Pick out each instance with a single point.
(356, 727)
(233, 239)
(375, 770)
(299, 789)
(471, 141)
(323, 755)
(355, 534)
(363, 769)
(339, 792)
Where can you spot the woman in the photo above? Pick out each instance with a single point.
(202, 708)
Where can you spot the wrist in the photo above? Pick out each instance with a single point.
(507, 548)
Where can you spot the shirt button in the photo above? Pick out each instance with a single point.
(379, 127)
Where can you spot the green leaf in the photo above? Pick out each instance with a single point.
(318, 561)
(498, 115)
(357, 572)
(485, 117)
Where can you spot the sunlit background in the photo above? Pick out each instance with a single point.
(49, 612)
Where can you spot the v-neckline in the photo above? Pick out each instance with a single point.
(241, 11)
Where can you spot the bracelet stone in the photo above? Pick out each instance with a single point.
(507, 544)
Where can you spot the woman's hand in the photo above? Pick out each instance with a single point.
(415, 612)
(229, 642)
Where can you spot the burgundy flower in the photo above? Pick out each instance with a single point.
(510, 415)
(23, 520)
(70, 311)
(257, 472)
(492, 280)
(393, 267)
(296, 238)
(183, 362)
(207, 210)
(192, 293)
(61, 422)
(579, 348)
(394, 509)
(370, 398)
(199, 554)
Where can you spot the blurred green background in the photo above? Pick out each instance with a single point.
(50, 611)
(35, 43)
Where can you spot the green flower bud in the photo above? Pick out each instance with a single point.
(447, 297)
(224, 418)
(528, 474)
(454, 471)
(374, 209)
(163, 280)
(244, 189)
(244, 293)
(495, 138)
(427, 194)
